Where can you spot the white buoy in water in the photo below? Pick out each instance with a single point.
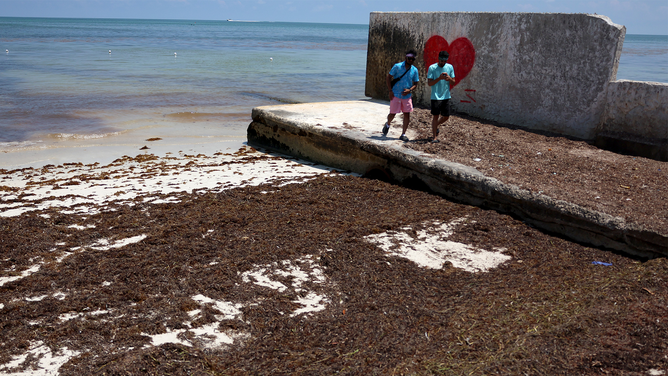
(7, 51)
(271, 59)
(109, 51)
(174, 53)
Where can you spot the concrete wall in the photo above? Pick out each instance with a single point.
(636, 119)
(542, 71)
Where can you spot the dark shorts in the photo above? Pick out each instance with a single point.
(440, 107)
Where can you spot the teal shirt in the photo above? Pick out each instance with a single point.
(406, 81)
(441, 90)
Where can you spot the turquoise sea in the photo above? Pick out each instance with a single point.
(67, 82)
(644, 58)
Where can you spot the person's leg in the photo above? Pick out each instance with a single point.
(445, 112)
(395, 108)
(434, 126)
(406, 109)
(435, 111)
(407, 120)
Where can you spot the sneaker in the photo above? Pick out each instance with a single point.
(434, 141)
(403, 138)
(386, 128)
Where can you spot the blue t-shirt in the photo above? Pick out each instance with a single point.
(406, 81)
(441, 90)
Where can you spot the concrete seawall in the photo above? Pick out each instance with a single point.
(636, 119)
(543, 71)
(547, 72)
(350, 140)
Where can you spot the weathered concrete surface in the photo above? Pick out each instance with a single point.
(347, 135)
(542, 71)
(636, 119)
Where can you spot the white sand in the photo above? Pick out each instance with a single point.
(48, 363)
(431, 249)
(207, 336)
(87, 189)
(104, 150)
(301, 270)
(24, 274)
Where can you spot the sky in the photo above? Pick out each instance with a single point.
(639, 16)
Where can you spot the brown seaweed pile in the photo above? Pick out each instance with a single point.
(630, 187)
(556, 307)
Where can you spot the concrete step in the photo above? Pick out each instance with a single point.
(347, 135)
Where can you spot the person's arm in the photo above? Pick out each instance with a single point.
(388, 81)
(451, 79)
(431, 81)
(410, 89)
(443, 76)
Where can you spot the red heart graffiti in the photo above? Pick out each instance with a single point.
(462, 55)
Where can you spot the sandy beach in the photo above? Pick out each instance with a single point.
(104, 150)
(141, 235)
(81, 191)
(248, 262)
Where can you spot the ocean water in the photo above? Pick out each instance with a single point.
(187, 82)
(644, 58)
(76, 87)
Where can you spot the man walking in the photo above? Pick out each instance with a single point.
(401, 81)
(439, 77)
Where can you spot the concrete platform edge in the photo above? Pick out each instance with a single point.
(352, 150)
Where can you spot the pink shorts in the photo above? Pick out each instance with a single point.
(401, 105)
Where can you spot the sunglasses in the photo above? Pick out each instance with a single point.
(410, 58)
